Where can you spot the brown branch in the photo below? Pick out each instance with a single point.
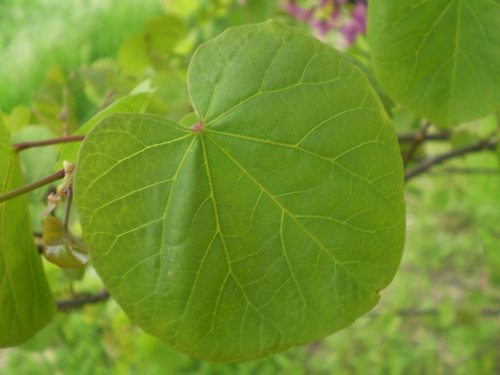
(468, 171)
(411, 137)
(431, 312)
(485, 144)
(417, 142)
(82, 300)
(69, 138)
(32, 186)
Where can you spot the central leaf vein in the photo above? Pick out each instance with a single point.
(224, 244)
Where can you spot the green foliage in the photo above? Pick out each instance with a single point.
(439, 58)
(228, 256)
(158, 37)
(27, 304)
(136, 102)
(36, 164)
(252, 11)
(84, 31)
(439, 316)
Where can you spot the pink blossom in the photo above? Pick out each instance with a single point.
(356, 25)
(298, 12)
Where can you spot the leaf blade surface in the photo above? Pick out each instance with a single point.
(440, 58)
(25, 299)
(275, 224)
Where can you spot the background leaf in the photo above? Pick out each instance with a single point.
(135, 102)
(36, 163)
(274, 225)
(25, 300)
(158, 37)
(441, 58)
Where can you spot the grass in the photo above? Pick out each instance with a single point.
(38, 34)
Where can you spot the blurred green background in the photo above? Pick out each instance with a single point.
(62, 61)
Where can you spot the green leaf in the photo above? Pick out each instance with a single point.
(19, 117)
(132, 55)
(159, 37)
(162, 33)
(25, 300)
(135, 102)
(274, 221)
(498, 148)
(61, 247)
(36, 163)
(251, 11)
(368, 71)
(441, 58)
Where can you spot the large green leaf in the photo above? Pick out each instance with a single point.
(441, 58)
(273, 222)
(26, 303)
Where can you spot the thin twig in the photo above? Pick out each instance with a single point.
(430, 162)
(32, 186)
(69, 138)
(107, 99)
(417, 142)
(410, 137)
(82, 300)
(431, 312)
(468, 171)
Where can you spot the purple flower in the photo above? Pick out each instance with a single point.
(329, 20)
(325, 16)
(321, 26)
(356, 25)
(359, 16)
(298, 12)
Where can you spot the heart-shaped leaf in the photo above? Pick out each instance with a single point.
(440, 58)
(26, 304)
(273, 221)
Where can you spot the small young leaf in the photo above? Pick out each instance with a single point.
(62, 248)
(26, 304)
(273, 220)
(65, 256)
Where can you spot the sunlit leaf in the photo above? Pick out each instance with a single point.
(441, 58)
(26, 303)
(275, 220)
